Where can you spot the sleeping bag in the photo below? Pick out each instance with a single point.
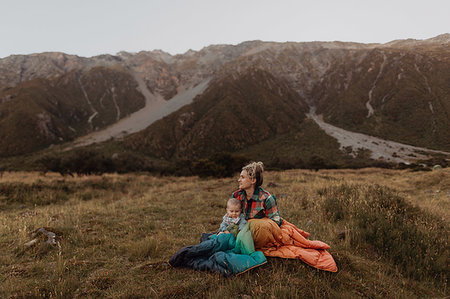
(222, 253)
(288, 241)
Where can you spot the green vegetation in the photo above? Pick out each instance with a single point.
(116, 232)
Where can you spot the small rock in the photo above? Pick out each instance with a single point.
(272, 184)
(50, 235)
(42, 233)
(437, 167)
(31, 243)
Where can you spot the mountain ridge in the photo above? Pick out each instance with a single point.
(350, 84)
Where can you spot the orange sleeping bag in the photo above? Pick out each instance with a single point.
(288, 241)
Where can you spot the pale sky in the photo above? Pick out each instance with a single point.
(92, 27)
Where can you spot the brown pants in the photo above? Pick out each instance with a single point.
(265, 232)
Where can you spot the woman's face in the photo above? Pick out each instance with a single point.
(245, 182)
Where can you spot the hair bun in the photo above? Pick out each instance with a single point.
(255, 171)
(260, 164)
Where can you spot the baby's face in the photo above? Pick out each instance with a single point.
(234, 211)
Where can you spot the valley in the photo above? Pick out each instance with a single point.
(378, 148)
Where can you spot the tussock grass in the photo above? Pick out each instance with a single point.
(387, 232)
(415, 241)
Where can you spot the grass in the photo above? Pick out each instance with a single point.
(116, 232)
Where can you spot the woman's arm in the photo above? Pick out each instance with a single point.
(272, 209)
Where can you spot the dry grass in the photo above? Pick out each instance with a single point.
(116, 232)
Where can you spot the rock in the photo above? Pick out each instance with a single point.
(437, 167)
(31, 243)
(272, 184)
(42, 233)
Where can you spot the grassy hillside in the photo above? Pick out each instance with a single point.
(388, 231)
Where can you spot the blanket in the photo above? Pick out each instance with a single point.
(222, 253)
(232, 256)
(288, 241)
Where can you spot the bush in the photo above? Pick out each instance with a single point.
(438, 160)
(87, 162)
(34, 194)
(413, 240)
(206, 168)
(131, 162)
(218, 165)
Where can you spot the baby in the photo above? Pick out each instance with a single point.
(234, 219)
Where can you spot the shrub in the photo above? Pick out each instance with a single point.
(218, 165)
(81, 162)
(413, 240)
(206, 168)
(41, 193)
(34, 194)
(131, 162)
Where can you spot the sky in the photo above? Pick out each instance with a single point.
(93, 27)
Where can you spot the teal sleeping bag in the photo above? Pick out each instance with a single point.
(222, 253)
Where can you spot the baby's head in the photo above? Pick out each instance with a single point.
(234, 208)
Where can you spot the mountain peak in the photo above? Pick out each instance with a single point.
(442, 38)
(439, 39)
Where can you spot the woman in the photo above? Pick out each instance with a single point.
(272, 235)
(257, 203)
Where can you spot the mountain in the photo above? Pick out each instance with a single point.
(20, 68)
(233, 113)
(400, 95)
(246, 98)
(40, 112)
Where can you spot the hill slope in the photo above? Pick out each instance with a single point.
(231, 114)
(41, 112)
(396, 95)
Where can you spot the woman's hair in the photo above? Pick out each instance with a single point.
(255, 171)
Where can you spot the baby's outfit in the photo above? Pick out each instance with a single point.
(233, 225)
